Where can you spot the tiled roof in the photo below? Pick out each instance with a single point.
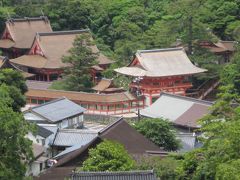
(180, 110)
(43, 132)
(160, 63)
(120, 131)
(58, 109)
(24, 30)
(122, 175)
(102, 85)
(38, 150)
(2, 61)
(81, 96)
(35, 61)
(55, 45)
(68, 137)
(38, 84)
(133, 141)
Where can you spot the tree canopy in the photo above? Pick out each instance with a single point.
(108, 156)
(158, 131)
(16, 151)
(13, 87)
(76, 76)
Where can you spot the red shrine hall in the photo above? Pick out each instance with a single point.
(160, 70)
(45, 56)
(19, 34)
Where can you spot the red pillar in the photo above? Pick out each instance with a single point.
(48, 77)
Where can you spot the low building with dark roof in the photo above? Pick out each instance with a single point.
(182, 111)
(120, 131)
(121, 175)
(62, 112)
(39, 163)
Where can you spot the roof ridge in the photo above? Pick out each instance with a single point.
(109, 126)
(62, 32)
(227, 41)
(45, 18)
(79, 131)
(159, 50)
(187, 98)
(114, 172)
(77, 92)
(50, 102)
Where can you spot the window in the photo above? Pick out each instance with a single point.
(119, 106)
(64, 123)
(84, 105)
(33, 101)
(40, 101)
(43, 142)
(41, 166)
(111, 107)
(126, 105)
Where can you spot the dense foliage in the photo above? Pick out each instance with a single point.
(165, 168)
(219, 156)
(158, 131)
(108, 156)
(15, 149)
(13, 84)
(123, 26)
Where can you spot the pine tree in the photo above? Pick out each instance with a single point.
(77, 75)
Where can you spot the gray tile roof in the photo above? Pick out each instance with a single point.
(70, 137)
(58, 110)
(43, 132)
(183, 111)
(161, 63)
(122, 175)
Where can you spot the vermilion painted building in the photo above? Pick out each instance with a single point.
(161, 70)
(45, 56)
(105, 104)
(19, 34)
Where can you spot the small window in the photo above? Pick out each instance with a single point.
(43, 142)
(33, 101)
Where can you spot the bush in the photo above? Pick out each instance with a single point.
(160, 132)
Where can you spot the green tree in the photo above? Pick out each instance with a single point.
(15, 149)
(14, 78)
(77, 75)
(12, 83)
(219, 155)
(108, 156)
(13, 96)
(165, 168)
(158, 131)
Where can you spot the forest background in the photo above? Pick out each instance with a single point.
(120, 27)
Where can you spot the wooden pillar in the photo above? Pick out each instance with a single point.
(48, 77)
(150, 97)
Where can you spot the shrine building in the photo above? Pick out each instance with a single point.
(160, 70)
(19, 34)
(221, 48)
(45, 56)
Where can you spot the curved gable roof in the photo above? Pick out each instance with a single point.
(24, 30)
(160, 63)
